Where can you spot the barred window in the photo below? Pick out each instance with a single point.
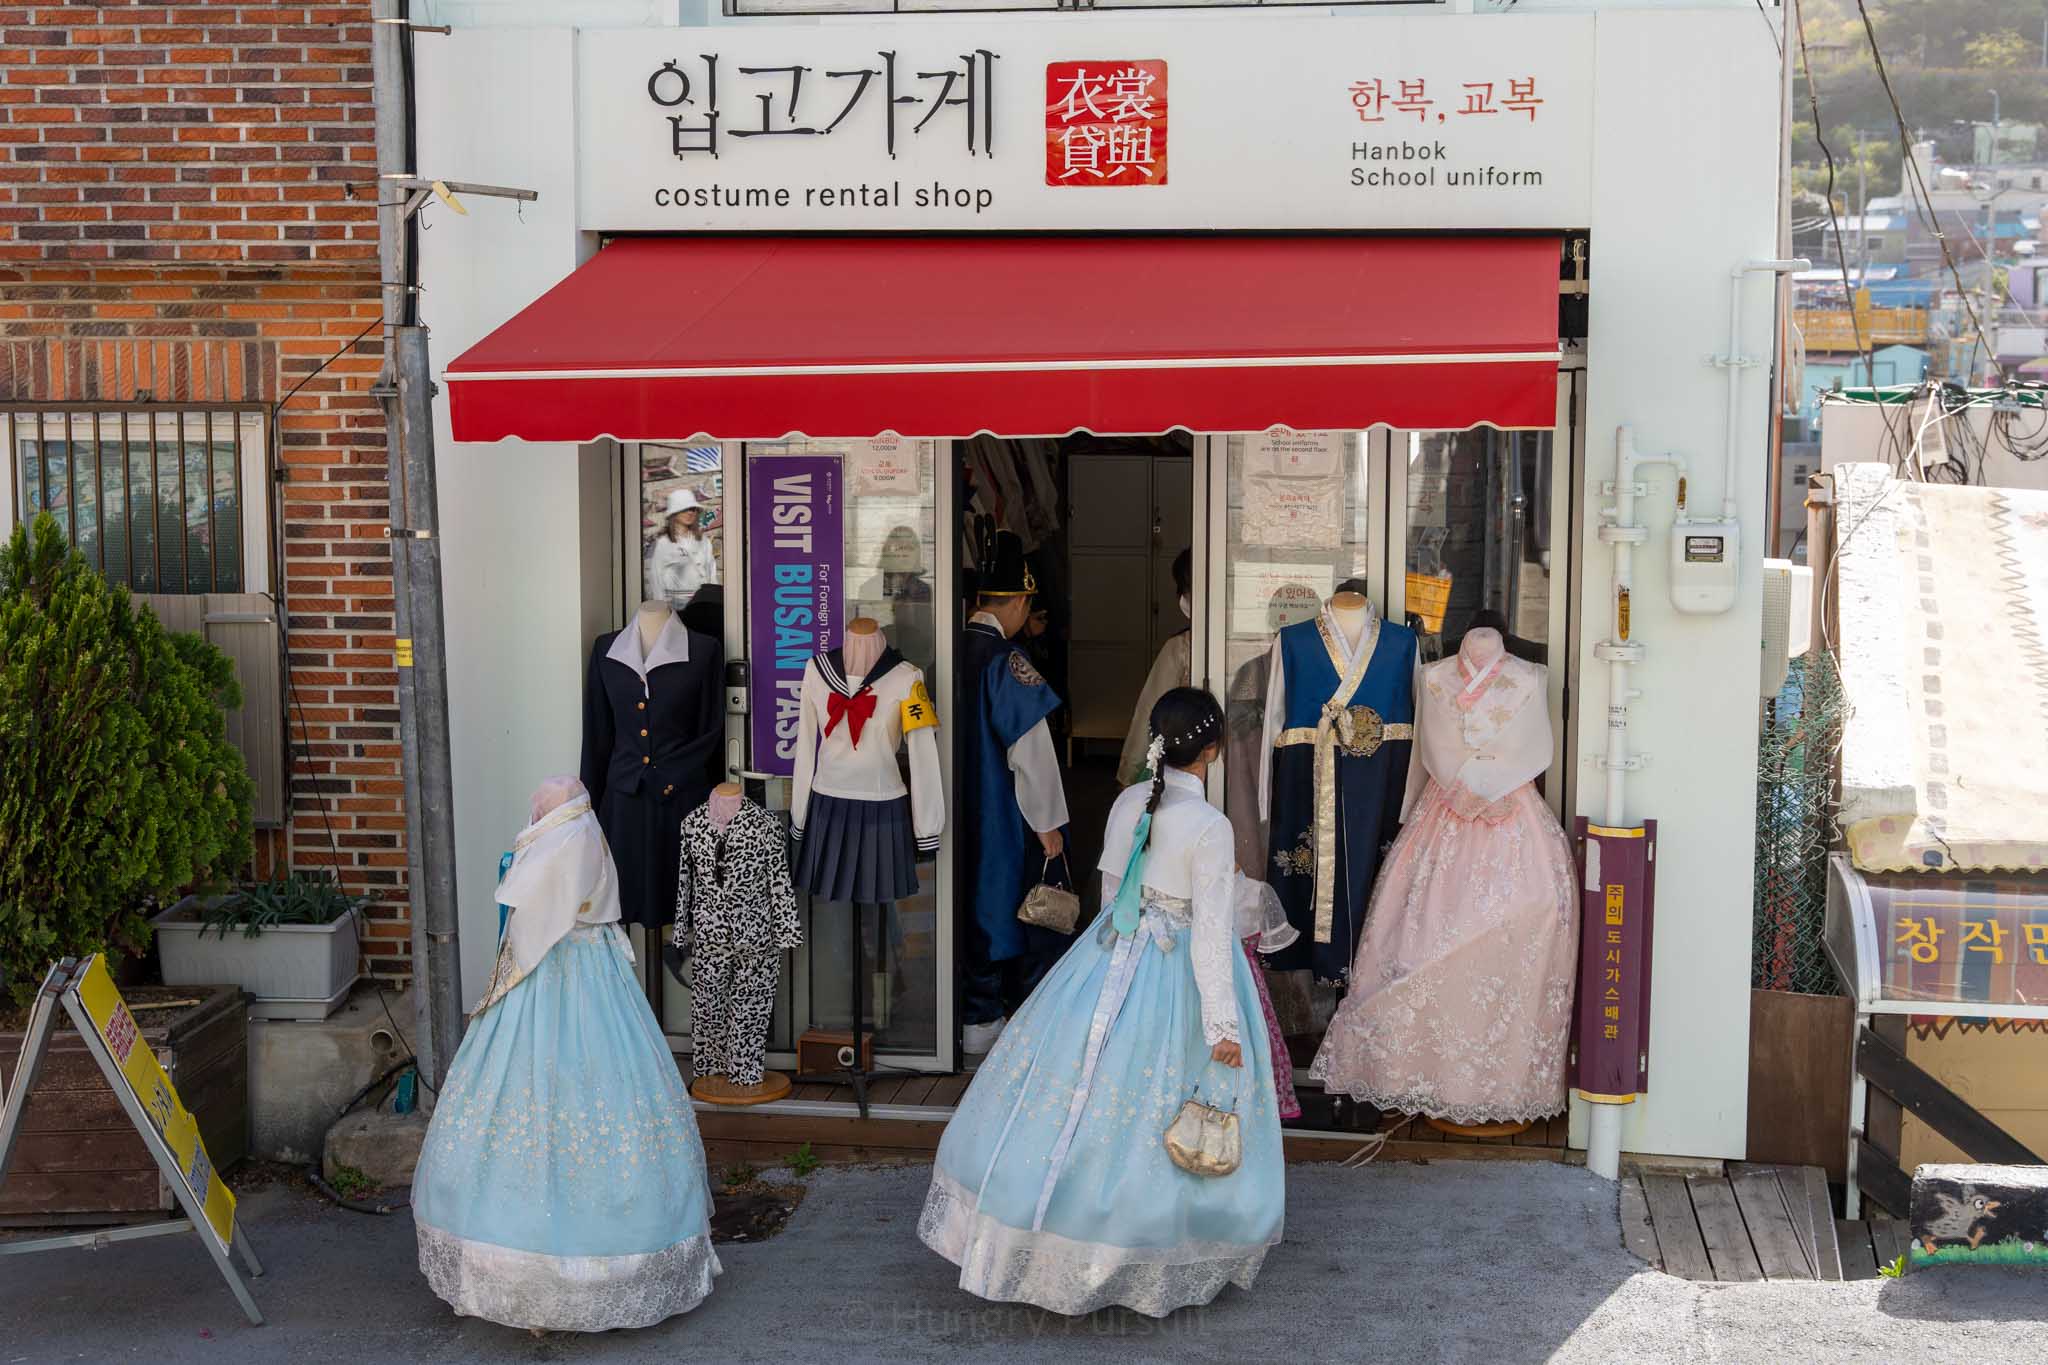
(164, 499)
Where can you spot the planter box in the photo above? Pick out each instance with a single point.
(293, 971)
(79, 1159)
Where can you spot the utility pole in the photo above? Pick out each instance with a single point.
(1994, 137)
(1862, 218)
(406, 389)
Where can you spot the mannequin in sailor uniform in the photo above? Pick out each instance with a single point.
(1013, 809)
(859, 833)
(653, 727)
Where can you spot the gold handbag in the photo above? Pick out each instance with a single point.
(1204, 1140)
(1049, 906)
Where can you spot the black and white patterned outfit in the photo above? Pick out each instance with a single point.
(736, 913)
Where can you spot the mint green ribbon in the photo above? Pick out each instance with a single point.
(1129, 904)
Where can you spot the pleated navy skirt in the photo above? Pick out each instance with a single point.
(863, 851)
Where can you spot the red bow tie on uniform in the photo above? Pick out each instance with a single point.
(856, 709)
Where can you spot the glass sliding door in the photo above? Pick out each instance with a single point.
(883, 543)
(1481, 535)
(1292, 518)
(668, 556)
(1443, 531)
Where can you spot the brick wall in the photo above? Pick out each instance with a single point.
(227, 133)
(187, 214)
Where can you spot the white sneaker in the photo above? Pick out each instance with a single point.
(977, 1039)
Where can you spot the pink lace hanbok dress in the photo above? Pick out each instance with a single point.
(1461, 993)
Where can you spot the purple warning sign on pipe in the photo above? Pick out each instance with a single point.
(1611, 1024)
(796, 538)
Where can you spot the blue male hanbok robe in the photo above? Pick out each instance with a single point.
(1002, 698)
(1341, 732)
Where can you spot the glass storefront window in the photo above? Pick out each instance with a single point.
(1297, 529)
(674, 561)
(1479, 538)
(674, 564)
(890, 536)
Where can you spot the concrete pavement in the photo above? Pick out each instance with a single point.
(1413, 1263)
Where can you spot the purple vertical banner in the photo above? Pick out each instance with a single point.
(1611, 1023)
(796, 542)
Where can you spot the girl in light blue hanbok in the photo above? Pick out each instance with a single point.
(562, 1184)
(1052, 1184)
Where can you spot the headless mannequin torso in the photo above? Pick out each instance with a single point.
(652, 618)
(725, 803)
(864, 645)
(1352, 613)
(1479, 656)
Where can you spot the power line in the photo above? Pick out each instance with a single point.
(1913, 178)
(1866, 350)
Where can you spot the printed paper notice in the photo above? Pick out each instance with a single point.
(1295, 454)
(1294, 490)
(1265, 598)
(885, 465)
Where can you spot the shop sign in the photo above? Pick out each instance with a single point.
(1982, 941)
(86, 992)
(796, 539)
(1105, 123)
(1419, 122)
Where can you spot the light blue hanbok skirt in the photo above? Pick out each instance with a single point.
(562, 1183)
(1052, 1184)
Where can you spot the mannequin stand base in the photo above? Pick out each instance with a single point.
(859, 1081)
(1479, 1130)
(718, 1090)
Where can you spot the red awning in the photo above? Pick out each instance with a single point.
(758, 338)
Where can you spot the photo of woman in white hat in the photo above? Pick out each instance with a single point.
(680, 560)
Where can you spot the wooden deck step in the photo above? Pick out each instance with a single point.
(1780, 1249)
(1859, 1262)
(1754, 1223)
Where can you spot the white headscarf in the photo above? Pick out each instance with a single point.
(561, 874)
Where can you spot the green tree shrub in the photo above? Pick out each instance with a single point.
(117, 781)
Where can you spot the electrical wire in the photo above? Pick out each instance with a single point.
(280, 605)
(1865, 348)
(1777, 44)
(1918, 183)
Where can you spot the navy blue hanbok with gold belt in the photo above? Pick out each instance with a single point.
(1341, 735)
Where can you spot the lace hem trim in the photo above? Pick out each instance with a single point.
(1008, 1265)
(566, 1293)
(1427, 1106)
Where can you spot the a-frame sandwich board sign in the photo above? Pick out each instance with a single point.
(86, 991)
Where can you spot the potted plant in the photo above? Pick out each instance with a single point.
(292, 942)
(119, 788)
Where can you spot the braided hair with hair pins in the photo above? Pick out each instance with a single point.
(1185, 722)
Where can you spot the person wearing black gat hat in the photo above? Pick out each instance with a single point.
(1013, 810)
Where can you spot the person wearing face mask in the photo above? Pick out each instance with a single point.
(1169, 670)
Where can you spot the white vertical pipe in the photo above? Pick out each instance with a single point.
(1603, 1142)
(1734, 363)
(1603, 1139)
(1731, 365)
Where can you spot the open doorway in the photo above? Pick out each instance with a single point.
(1104, 521)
